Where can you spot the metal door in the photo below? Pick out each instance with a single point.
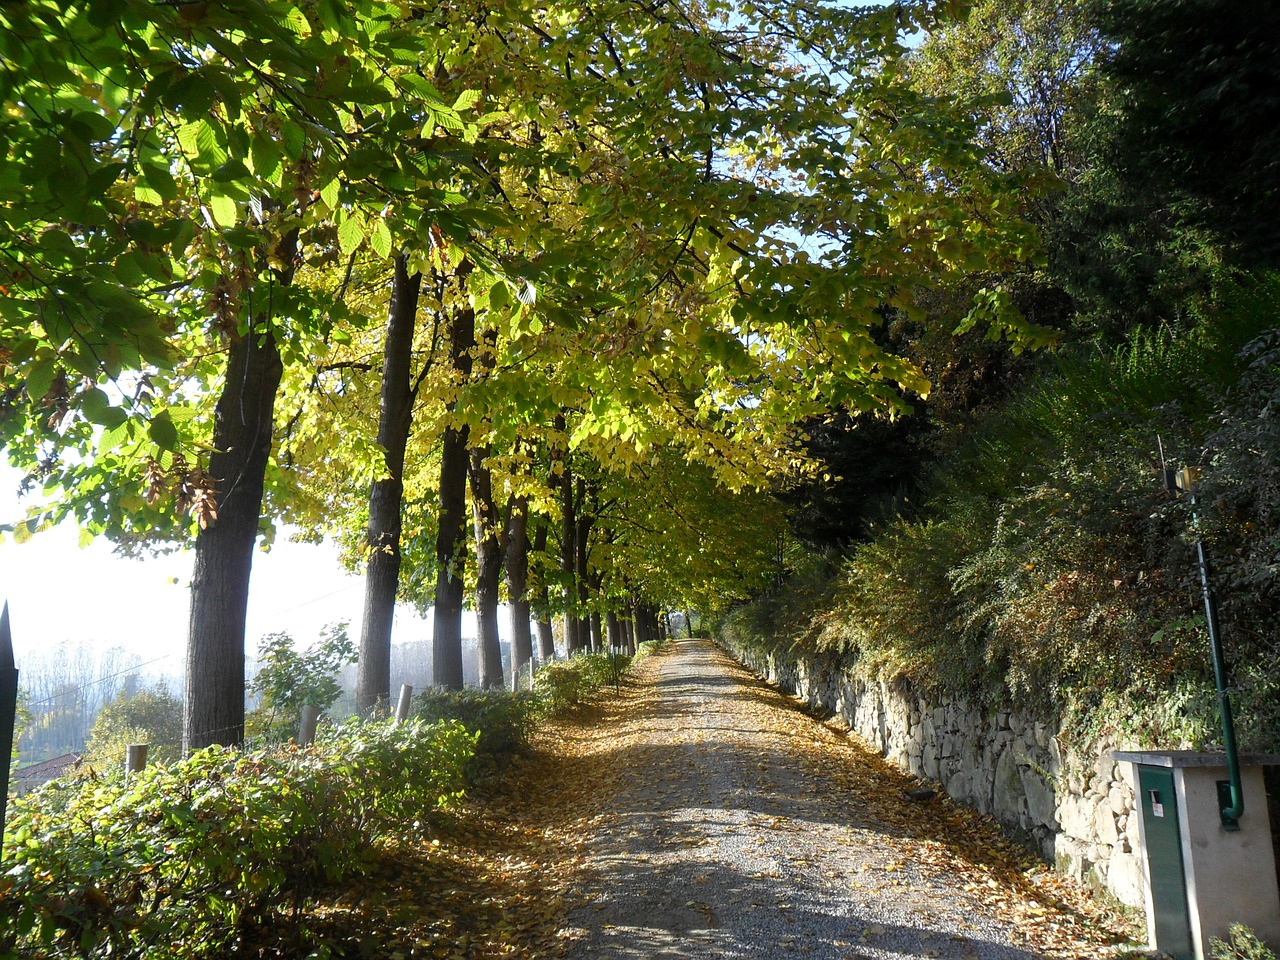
(1164, 860)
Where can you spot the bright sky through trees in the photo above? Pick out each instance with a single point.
(58, 592)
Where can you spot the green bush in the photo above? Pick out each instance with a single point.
(287, 680)
(647, 649)
(563, 684)
(1050, 567)
(179, 861)
(502, 720)
(152, 717)
(1241, 944)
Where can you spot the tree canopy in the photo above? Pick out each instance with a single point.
(674, 232)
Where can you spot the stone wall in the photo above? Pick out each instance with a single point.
(1012, 766)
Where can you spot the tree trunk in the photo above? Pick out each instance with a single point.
(213, 702)
(517, 570)
(488, 570)
(587, 636)
(642, 622)
(542, 601)
(546, 639)
(382, 570)
(451, 539)
(629, 635)
(614, 630)
(573, 640)
(597, 641)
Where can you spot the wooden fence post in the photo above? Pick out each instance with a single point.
(8, 710)
(135, 758)
(405, 703)
(307, 725)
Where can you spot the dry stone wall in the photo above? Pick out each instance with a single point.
(1076, 808)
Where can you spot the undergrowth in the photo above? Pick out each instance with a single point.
(194, 859)
(181, 860)
(1051, 568)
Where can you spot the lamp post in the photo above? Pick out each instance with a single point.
(1231, 800)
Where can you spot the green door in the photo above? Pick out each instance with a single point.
(1164, 860)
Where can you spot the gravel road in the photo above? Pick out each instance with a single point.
(737, 826)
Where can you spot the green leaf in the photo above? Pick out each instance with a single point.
(210, 149)
(380, 238)
(114, 436)
(94, 404)
(466, 100)
(242, 238)
(295, 21)
(350, 235)
(448, 119)
(329, 193)
(264, 157)
(295, 140)
(40, 377)
(144, 194)
(223, 210)
(231, 170)
(162, 431)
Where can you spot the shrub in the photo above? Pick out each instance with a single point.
(1241, 944)
(1051, 568)
(647, 648)
(179, 861)
(563, 684)
(501, 719)
(152, 717)
(287, 680)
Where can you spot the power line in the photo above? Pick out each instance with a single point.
(93, 683)
(306, 603)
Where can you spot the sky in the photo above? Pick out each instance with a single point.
(57, 592)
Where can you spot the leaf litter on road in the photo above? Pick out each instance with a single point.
(501, 876)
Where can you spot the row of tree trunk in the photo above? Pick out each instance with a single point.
(501, 533)
(242, 443)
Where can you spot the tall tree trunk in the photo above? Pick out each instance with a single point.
(488, 570)
(243, 422)
(573, 640)
(614, 630)
(517, 570)
(629, 635)
(597, 640)
(542, 602)
(213, 702)
(451, 539)
(582, 538)
(382, 570)
(546, 638)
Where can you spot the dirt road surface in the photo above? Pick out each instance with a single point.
(702, 814)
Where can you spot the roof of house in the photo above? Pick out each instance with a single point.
(47, 769)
